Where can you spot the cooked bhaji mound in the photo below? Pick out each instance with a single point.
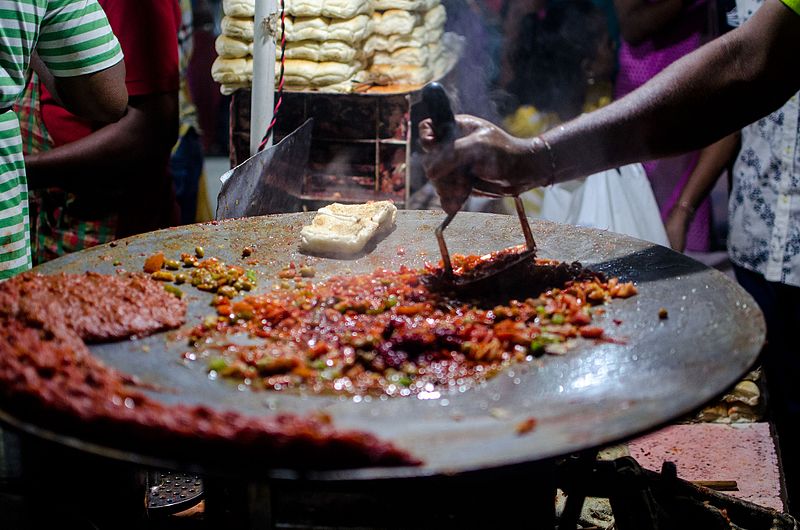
(97, 307)
(389, 333)
(47, 373)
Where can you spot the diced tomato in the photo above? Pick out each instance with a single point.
(591, 332)
(413, 309)
(154, 263)
(581, 319)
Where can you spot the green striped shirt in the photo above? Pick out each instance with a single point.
(73, 38)
(794, 5)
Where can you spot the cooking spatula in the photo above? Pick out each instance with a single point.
(444, 126)
(270, 181)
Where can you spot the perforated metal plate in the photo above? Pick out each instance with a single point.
(171, 492)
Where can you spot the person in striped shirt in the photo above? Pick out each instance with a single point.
(73, 41)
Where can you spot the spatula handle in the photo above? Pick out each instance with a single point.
(440, 112)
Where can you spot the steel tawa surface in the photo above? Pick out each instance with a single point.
(597, 394)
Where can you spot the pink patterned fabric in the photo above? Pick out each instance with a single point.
(637, 65)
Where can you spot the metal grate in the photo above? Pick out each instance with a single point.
(171, 492)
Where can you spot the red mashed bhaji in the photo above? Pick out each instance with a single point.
(47, 373)
(393, 333)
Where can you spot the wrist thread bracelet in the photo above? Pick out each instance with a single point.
(686, 206)
(550, 155)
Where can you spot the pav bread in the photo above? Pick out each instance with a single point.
(232, 71)
(229, 48)
(328, 8)
(310, 50)
(238, 28)
(386, 74)
(239, 8)
(411, 55)
(299, 72)
(322, 29)
(435, 18)
(346, 229)
(408, 5)
(394, 22)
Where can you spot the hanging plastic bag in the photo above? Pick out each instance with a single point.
(619, 200)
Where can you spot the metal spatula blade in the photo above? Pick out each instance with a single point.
(268, 182)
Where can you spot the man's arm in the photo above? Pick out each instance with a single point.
(718, 89)
(148, 130)
(704, 96)
(99, 96)
(640, 19)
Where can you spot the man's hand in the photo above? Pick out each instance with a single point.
(485, 160)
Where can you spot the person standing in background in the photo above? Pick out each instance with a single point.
(84, 61)
(93, 183)
(77, 48)
(737, 79)
(186, 162)
(764, 247)
(655, 33)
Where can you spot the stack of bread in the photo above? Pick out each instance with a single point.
(332, 43)
(233, 68)
(324, 43)
(406, 42)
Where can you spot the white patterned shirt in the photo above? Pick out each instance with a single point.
(764, 208)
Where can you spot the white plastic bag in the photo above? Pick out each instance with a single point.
(619, 200)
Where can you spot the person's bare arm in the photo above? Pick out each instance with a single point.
(639, 19)
(714, 91)
(704, 96)
(100, 97)
(713, 160)
(149, 129)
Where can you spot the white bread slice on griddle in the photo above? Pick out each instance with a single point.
(347, 228)
(383, 213)
(331, 235)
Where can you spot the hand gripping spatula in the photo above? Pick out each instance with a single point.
(440, 112)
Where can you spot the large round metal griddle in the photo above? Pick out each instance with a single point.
(594, 395)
